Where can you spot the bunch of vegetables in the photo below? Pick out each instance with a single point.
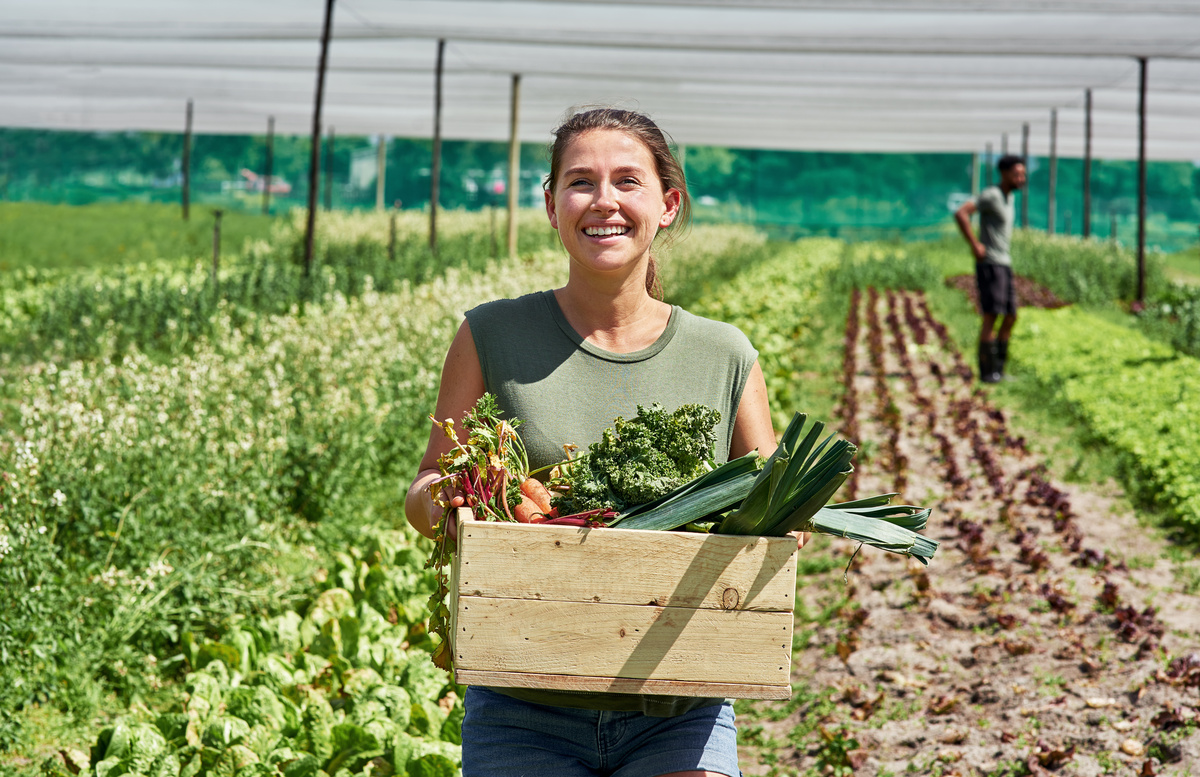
(655, 471)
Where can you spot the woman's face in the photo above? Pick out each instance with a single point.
(608, 202)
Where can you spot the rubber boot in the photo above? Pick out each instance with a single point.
(1001, 356)
(987, 362)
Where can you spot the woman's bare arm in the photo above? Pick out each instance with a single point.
(752, 428)
(461, 387)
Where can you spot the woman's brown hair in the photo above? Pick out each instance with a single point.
(639, 126)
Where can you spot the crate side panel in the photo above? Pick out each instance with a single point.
(676, 569)
(620, 640)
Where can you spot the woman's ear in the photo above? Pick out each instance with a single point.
(550, 213)
(671, 200)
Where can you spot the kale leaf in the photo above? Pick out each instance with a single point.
(640, 459)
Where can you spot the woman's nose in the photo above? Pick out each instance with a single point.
(604, 198)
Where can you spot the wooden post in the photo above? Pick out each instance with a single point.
(315, 146)
(392, 237)
(1141, 216)
(492, 230)
(1025, 191)
(1087, 163)
(514, 164)
(216, 262)
(380, 171)
(329, 170)
(187, 161)
(988, 162)
(270, 164)
(436, 167)
(1050, 214)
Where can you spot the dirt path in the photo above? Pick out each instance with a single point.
(1049, 635)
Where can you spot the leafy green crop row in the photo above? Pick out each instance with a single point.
(40, 241)
(774, 303)
(1136, 394)
(163, 307)
(1089, 272)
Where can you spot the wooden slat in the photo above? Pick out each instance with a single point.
(675, 569)
(621, 685)
(589, 639)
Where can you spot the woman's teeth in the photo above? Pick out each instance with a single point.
(604, 231)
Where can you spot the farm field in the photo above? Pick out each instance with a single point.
(205, 570)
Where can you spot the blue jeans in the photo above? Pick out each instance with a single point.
(507, 737)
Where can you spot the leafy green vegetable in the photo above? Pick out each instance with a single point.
(641, 459)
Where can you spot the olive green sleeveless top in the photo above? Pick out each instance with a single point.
(566, 391)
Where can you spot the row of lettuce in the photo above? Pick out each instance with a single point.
(1137, 395)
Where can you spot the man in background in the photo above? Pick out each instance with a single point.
(993, 265)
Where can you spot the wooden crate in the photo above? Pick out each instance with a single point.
(622, 611)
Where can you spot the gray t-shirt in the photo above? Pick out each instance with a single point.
(567, 391)
(996, 216)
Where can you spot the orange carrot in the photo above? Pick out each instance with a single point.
(527, 511)
(535, 490)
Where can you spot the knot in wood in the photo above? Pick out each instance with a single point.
(730, 598)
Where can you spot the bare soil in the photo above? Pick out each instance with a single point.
(1050, 634)
(1030, 293)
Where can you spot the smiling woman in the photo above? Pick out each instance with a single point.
(566, 362)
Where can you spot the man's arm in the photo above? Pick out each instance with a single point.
(963, 217)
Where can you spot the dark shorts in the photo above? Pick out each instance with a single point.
(997, 292)
(507, 737)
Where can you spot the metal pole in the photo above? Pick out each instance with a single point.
(1087, 163)
(381, 171)
(514, 165)
(315, 146)
(1141, 230)
(436, 167)
(329, 171)
(975, 175)
(1025, 191)
(1003, 144)
(270, 164)
(1050, 214)
(988, 162)
(187, 161)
